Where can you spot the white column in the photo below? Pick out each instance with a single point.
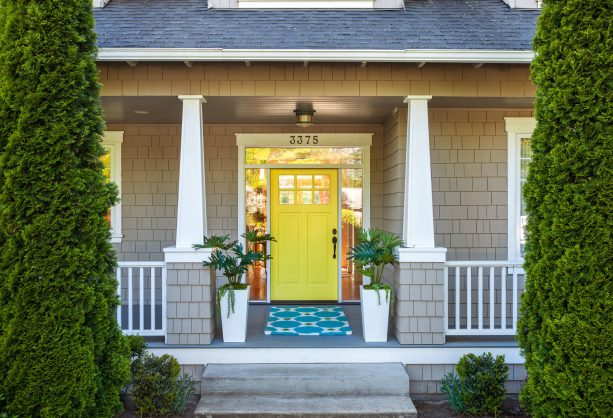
(418, 218)
(191, 207)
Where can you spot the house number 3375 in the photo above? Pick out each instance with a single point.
(303, 140)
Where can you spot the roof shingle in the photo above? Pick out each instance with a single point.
(424, 24)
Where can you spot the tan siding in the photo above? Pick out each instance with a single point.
(329, 79)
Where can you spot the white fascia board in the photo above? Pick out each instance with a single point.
(332, 55)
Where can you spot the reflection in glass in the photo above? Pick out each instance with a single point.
(524, 161)
(304, 182)
(314, 155)
(352, 220)
(286, 182)
(321, 197)
(305, 197)
(286, 197)
(322, 182)
(256, 217)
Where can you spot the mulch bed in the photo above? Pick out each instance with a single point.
(432, 409)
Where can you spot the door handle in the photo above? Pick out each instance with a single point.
(334, 241)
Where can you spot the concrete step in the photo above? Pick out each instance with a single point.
(312, 407)
(304, 380)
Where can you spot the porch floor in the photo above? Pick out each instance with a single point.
(258, 316)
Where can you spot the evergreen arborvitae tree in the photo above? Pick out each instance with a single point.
(566, 324)
(61, 351)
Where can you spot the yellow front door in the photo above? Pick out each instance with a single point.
(304, 220)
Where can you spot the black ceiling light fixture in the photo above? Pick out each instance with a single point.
(304, 117)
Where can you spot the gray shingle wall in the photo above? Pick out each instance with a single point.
(150, 164)
(418, 311)
(435, 24)
(191, 304)
(426, 378)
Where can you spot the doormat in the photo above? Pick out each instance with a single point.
(307, 320)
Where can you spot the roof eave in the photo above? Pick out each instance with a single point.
(324, 55)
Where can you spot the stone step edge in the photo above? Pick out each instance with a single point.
(340, 405)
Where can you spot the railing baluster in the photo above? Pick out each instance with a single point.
(141, 307)
(469, 324)
(130, 307)
(118, 277)
(503, 298)
(152, 302)
(457, 298)
(480, 298)
(492, 296)
(514, 299)
(446, 300)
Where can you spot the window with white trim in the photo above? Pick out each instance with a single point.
(306, 4)
(111, 141)
(519, 153)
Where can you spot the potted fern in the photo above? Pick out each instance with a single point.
(375, 250)
(231, 258)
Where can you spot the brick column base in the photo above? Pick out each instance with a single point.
(418, 313)
(190, 298)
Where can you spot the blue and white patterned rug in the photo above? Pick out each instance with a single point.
(307, 320)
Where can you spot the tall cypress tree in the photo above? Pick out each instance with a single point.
(61, 352)
(566, 325)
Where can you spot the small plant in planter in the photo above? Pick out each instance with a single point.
(374, 251)
(231, 258)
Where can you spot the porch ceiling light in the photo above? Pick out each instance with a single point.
(304, 117)
(141, 112)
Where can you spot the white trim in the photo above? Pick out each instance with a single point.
(324, 140)
(111, 141)
(422, 255)
(306, 4)
(144, 264)
(186, 255)
(330, 55)
(327, 140)
(404, 355)
(517, 128)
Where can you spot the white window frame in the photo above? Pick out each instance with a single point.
(305, 4)
(517, 129)
(111, 141)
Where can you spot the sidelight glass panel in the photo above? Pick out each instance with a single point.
(255, 219)
(524, 161)
(351, 221)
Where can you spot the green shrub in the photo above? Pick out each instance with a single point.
(154, 382)
(451, 386)
(61, 351)
(137, 346)
(566, 324)
(478, 388)
(184, 390)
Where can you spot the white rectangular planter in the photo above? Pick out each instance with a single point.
(375, 316)
(234, 327)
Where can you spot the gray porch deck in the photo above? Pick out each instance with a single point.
(258, 315)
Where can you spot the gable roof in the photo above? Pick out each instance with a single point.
(423, 25)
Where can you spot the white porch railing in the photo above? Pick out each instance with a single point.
(482, 297)
(142, 291)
